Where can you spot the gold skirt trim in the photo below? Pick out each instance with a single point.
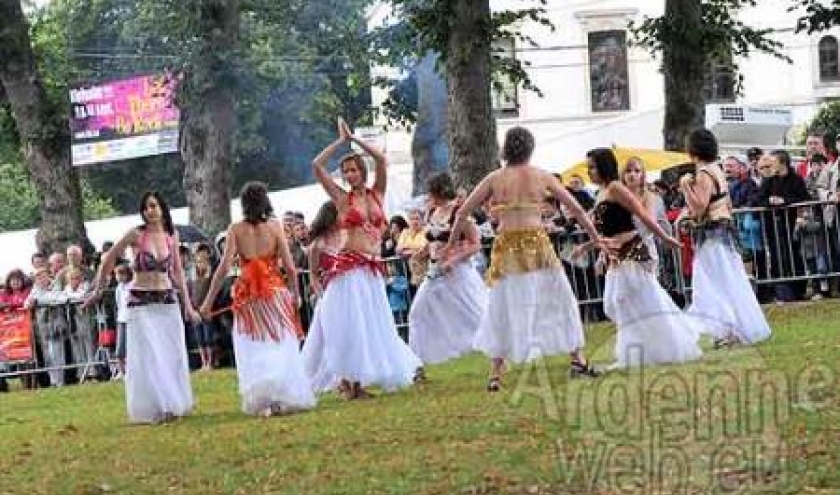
(520, 251)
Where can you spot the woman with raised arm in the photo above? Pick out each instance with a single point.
(651, 328)
(722, 299)
(266, 330)
(532, 310)
(157, 380)
(360, 344)
(452, 298)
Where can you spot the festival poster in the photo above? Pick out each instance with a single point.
(125, 119)
(15, 336)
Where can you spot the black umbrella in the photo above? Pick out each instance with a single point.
(190, 234)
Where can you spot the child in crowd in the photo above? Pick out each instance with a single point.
(121, 292)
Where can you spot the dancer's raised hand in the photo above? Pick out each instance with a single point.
(343, 131)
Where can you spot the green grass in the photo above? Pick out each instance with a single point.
(664, 431)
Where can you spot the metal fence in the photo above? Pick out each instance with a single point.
(784, 250)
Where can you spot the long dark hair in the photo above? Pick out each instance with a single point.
(441, 186)
(325, 220)
(15, 274)
(605, 164)
(168, 226)
(256, 207)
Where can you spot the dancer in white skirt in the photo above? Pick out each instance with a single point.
(157, 380)
(450, 302)
(360, 345)
(723, 299)
(266, 329)
(532, 310)
(651, 328)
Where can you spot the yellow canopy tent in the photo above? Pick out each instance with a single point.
(654, 160)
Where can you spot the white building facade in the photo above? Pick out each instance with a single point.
(598, 91)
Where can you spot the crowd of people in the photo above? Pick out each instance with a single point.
(268, 285)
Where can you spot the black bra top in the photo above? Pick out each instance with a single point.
(612, 219)
(146, 261)
(440, 232)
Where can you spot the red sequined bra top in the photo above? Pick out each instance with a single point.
(355, 218)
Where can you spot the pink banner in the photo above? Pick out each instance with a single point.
(107, 119)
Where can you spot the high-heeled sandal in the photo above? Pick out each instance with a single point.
(494, 384)
(578, 369)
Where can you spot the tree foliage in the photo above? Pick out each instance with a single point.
(720, 36)
(826, 121)
(820, 15)
(298, 64)
(419, 27)
(20, 200)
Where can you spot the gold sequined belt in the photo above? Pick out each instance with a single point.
(520, 251)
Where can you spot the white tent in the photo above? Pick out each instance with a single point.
(18, 247)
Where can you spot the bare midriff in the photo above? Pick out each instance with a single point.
(361, 240)
(151, 281)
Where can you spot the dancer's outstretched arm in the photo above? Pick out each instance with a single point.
(231, 250)
(319, 165)
(288, 265)
(109, 262)
(477, 197)
(559, 191)
(380, 173)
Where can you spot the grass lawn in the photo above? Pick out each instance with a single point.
(744, 420)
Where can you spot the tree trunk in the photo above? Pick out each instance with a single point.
(209, 121)
(683, 65)
(429, 147)
(44, 136)
(472, 126)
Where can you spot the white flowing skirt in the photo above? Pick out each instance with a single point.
(271, 371)
(445, 314)
(723, 301)
(353, 337)
(157, 375)
(651, 328)
(531, 315)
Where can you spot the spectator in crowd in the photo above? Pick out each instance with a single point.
(392, 236)
(411, 246)
(82, 332)
(38, 260)
(75, 259)
(753, 156)
(553, 221)
(56, 264)
(830, 145)
(204, 330)
(784, 188)
(121, 294)
(812, 181)
(742, 188)
(300, 219)
(288, 223)
(51, 323)
(579, 192)
(814, 144)
(15, 292)
(297, 245)
(808, 232)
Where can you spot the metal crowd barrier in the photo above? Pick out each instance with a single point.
(783, 248)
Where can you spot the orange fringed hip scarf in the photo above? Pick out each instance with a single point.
(262, 303)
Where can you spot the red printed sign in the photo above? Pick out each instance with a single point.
(15, 336)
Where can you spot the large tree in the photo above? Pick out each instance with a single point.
(208, 122)
(462, 32)
(691, 35)
(44, 136)
(819, 15)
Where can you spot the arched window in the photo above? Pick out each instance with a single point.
(829, 59)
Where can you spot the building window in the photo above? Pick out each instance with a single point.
(720, 82)
(608, 72)
(828, 53)
(505, 93)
